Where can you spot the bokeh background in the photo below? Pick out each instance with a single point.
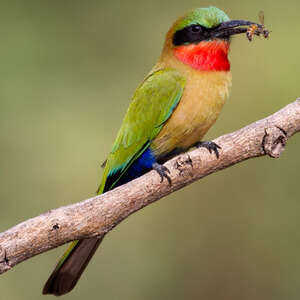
(67, 72)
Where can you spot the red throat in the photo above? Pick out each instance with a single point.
(205, 56)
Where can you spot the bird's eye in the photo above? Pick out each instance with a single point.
(196, 28)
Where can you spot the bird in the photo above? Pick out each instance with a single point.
(170, 112)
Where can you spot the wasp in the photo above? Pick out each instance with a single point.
(258, 29)
(265, 32)
(251, 31)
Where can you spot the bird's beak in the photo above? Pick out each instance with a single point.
(229, 28)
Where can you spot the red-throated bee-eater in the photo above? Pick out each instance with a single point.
(170, 112)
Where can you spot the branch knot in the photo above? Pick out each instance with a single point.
(274, 141)
(181, 162)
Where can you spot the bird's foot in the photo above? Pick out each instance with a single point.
(210, 146)
(162, 172)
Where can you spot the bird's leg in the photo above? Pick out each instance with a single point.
(210, 146)
(162, 172)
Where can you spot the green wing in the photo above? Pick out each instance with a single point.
(152, 104)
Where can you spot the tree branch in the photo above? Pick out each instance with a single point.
(100, 214)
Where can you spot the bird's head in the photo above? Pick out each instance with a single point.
(201, 38)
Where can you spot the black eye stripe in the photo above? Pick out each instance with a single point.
(192, 34)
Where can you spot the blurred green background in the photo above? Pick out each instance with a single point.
(68, 70)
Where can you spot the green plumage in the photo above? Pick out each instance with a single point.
(208, 17)
(152, 104)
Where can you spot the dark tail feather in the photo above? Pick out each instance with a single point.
(66, 274)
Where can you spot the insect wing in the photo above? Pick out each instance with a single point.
(261, 17)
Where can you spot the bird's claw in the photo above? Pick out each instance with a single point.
(210, 146)
(162, 172)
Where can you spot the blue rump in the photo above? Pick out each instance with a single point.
(142, 165)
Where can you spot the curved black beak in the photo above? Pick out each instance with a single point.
(229, 28)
